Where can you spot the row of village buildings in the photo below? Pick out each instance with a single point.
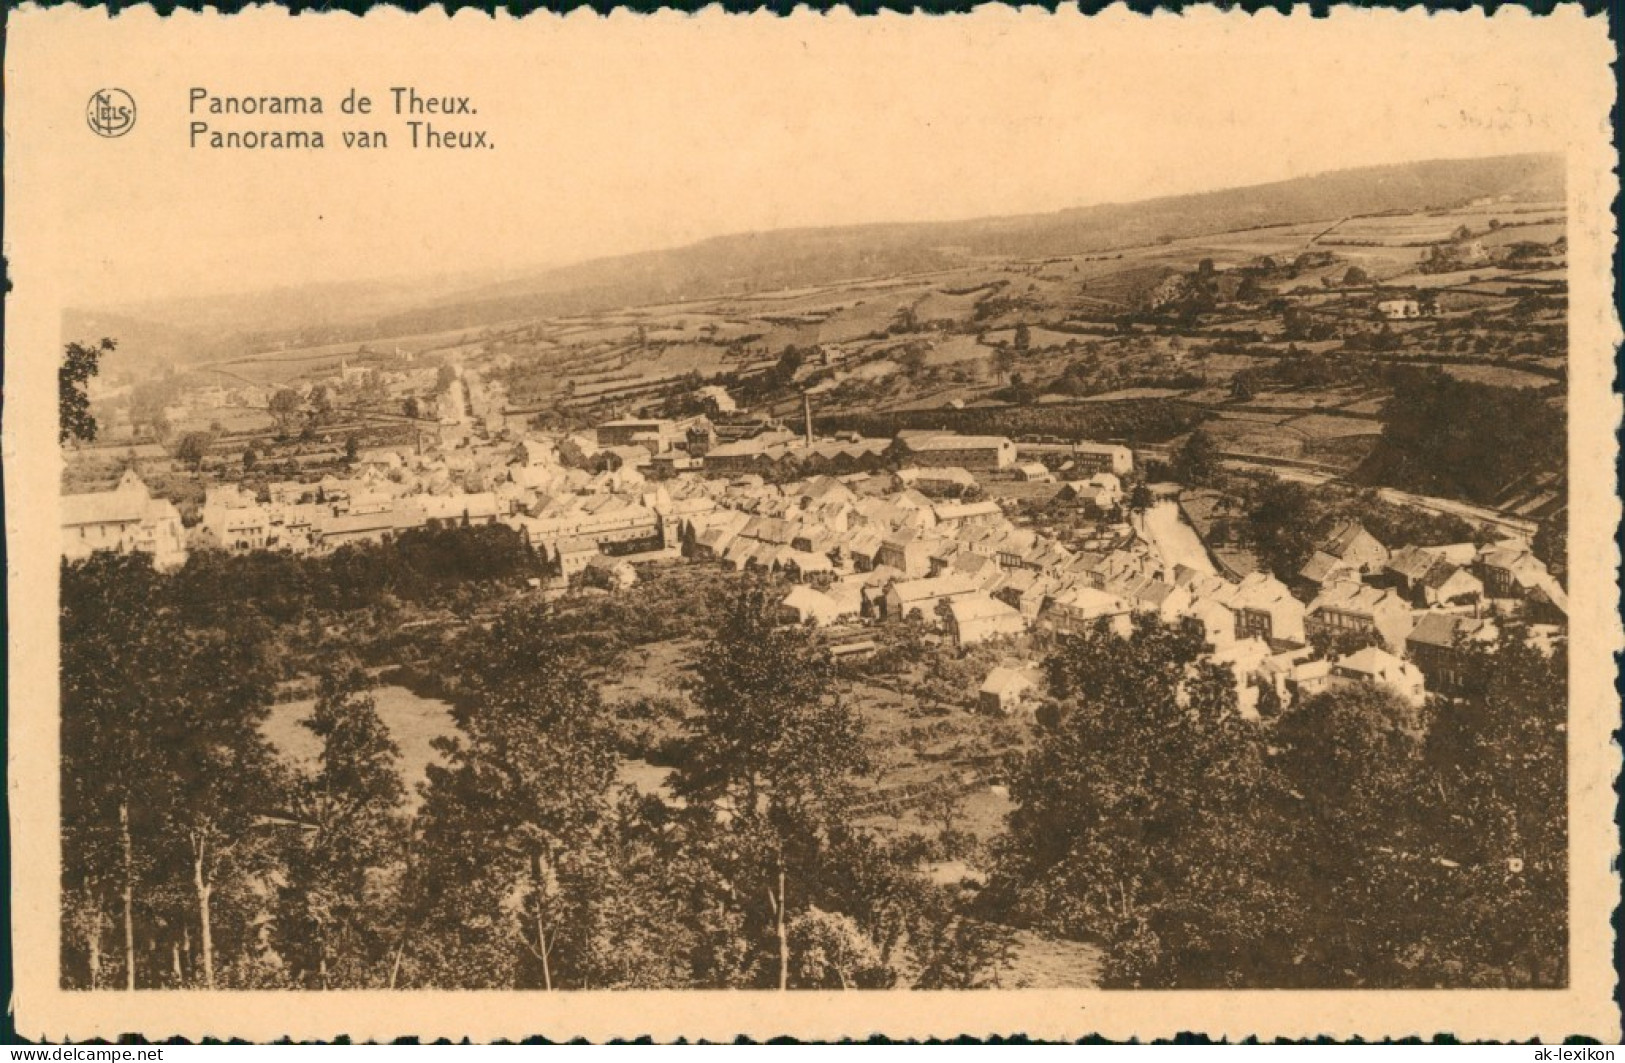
(874, 546)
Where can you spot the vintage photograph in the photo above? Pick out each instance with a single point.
(1002, 566)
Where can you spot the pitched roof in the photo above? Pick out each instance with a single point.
(1356, 598)
(1443, 629)
(805, 600)
(972, 607)
(387, 520)
(1413, 562)
(1442, 572)
(949, 441)
(1088, 600)
(103, 507)
(962, 510)
(863, 544)
(915, 590)
(1321, 566)
(805, 561)
(1346, 536)
(1263, 592)
(1374, 662)
(1002, 680)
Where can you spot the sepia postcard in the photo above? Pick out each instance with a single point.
(701, 526)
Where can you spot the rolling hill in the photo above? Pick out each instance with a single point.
(186, 331)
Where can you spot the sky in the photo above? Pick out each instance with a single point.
(632, 133)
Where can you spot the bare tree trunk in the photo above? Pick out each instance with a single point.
(93, 938)
(205, 927)
(321, 954)
(541, 925)
(395, 967)
(784, 939)
(175, 962)
(129, 894)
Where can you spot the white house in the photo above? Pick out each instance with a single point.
(125, 519)
(1005, 690)
(974, 618)
(1381, 668)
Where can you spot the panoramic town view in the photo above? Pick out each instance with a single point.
(1158, 595)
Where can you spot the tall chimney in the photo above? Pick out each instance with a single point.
(806, 416)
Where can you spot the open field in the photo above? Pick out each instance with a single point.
(1324, 426)
(1037, 337)
(1498, 376)
(414, 723)
(957, 349)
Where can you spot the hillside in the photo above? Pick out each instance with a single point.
(196, 329)
(796, 257)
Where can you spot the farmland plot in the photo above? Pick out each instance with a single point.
(957, 349)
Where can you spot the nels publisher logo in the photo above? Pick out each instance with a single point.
(111, 113)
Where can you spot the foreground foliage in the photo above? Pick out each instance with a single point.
(1352, 841)
(1349, 840)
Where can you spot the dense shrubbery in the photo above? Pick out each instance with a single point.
(1352, 841)
(1149, 421)
(1460, 439)
(1349, 841)
(429, 565)
(1283, 522)
(195, 858)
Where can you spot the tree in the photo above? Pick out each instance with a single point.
(1498, 758)
(165, 770)
(1140, 498)
(1280, 526)
(944, 806)
(80, 362)
(411, 408)
(1144, 815)
(1355, 840)
(1023, 336)
(951, 950)
(193, 448)
(774, 747)
(1004, 360)
(831, 951)
(1551, 544)
(510, 822)
(1330, 643)
(349, 830)
(217, 773)
(112, 639)
(1353, 759)
(912, 360)
(1355, 277)
(321, 404)
(1196, 461)
(352, 448)
(286, 408)
(783, 373)
(251, 459)
(1461, 439)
